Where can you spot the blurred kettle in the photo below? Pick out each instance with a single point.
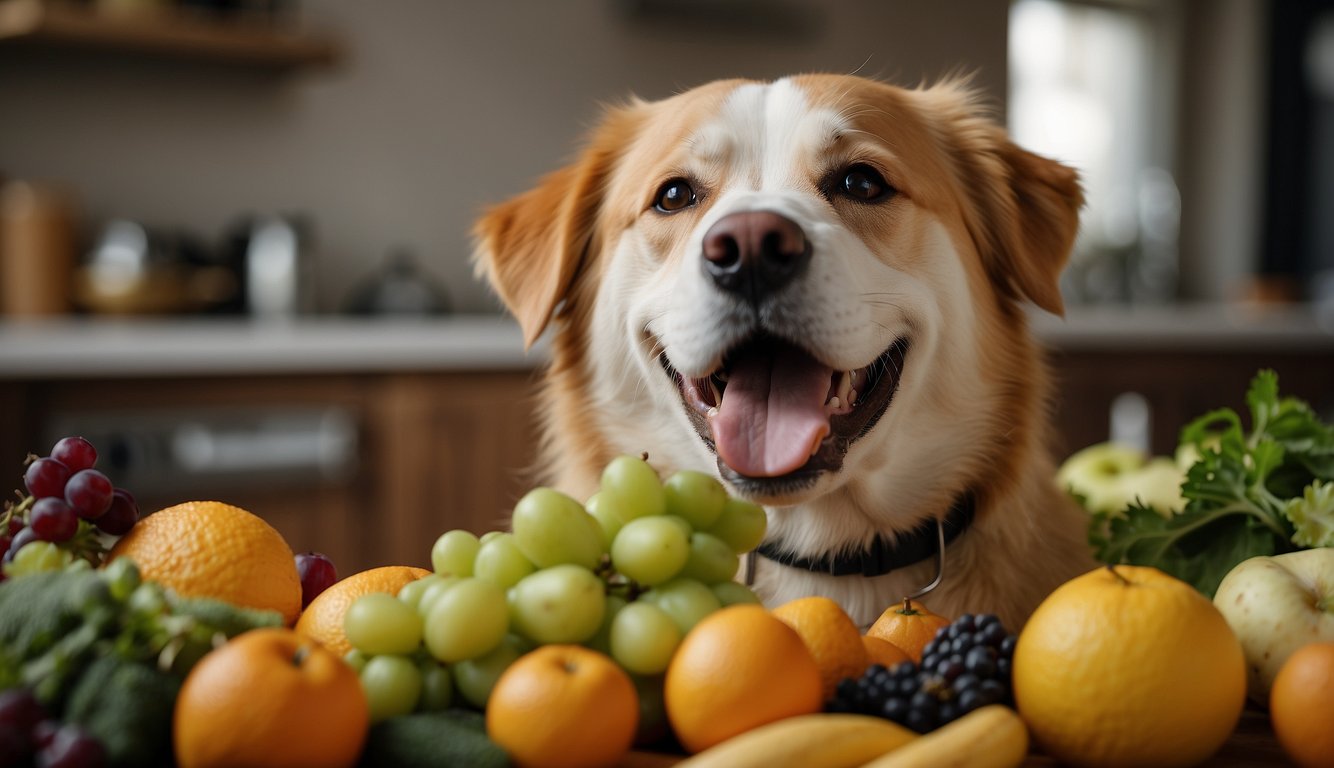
(278, 268)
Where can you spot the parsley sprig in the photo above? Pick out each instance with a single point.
(1262, 492)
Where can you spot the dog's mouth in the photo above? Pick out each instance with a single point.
(777, 417)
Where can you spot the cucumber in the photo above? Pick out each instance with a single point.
(455, 738)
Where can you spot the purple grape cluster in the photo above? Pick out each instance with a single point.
(27, 732)
(64, 489)
(964, 667)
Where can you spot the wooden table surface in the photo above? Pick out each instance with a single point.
(1252, 744)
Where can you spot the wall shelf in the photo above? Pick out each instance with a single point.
(165, 32)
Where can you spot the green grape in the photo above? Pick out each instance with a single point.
(356, 660)
(437, 686)
(563, 604)
(453, 553)
(392, 685)
(475, 678)
(37, 557)
(710, 560)
(489, 535)
(380, 623)
(680, 522)
(734, 593)
(411, 593)
(500, 561)
(643, 638)
(601, 640)
(631, 489)
(650, 550)
(608, 520)
(696, 496)
(552, 528)
(468, 620)
(685, 600)
(435, 588)
(122, 575)
(741, 525)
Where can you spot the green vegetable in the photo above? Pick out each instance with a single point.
(38, 609)
(224, 617)
(101, 649)
(454, 737)
(1262, 492)
(128, 707)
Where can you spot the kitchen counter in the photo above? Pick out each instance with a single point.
(71, 348)
(81, 347)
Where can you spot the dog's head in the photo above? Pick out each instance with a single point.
(809, 282)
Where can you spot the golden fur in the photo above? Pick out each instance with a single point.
(977, 227)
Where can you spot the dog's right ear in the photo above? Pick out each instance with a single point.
(533, 247)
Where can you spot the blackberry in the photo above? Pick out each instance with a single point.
(964, 667)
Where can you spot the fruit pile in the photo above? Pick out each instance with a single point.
(69, 509)
(629, 573)
(587, 629)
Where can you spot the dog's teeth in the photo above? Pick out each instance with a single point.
(717, 394)
(852, 397)
(844, 387)
(833, 403)
(712, 412)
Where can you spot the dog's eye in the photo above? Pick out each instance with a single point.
(862, 182)
(673, 196)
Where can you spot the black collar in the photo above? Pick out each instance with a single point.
(882, 555)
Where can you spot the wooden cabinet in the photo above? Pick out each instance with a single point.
(433, 451)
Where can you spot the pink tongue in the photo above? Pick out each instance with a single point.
(772, 415)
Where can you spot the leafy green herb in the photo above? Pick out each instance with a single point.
(1262, 492)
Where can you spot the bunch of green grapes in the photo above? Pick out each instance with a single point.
(628, 573)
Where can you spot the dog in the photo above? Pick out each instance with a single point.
(815, 288)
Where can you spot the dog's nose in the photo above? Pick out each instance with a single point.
(754, 253)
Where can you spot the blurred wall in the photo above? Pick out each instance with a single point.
(438, 109)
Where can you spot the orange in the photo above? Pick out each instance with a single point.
(831, 637)
(211, 549)
(1301, 705)
(738, 669)
(909, 625)
(270, 698)
(563, 706)
(883, 652)
(322, 620)
(1126, 665)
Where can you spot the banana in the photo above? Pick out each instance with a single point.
(993, 736)
(806, 741)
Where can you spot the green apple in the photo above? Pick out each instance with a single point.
(1098, 474)
(1275, 605)
(1111, 476)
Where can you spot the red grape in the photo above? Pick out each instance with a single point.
(89, 493)
(20, 708)
(72, 747)
(75, 453)
(122, 515)
(46, 477)
(21, 538)
(317, 574)
(15, 745)
(53, 520)
(44, 733)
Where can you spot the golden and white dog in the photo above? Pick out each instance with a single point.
(813, 288)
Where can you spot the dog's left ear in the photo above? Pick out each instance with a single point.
(532, 247)
(1025, 215)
